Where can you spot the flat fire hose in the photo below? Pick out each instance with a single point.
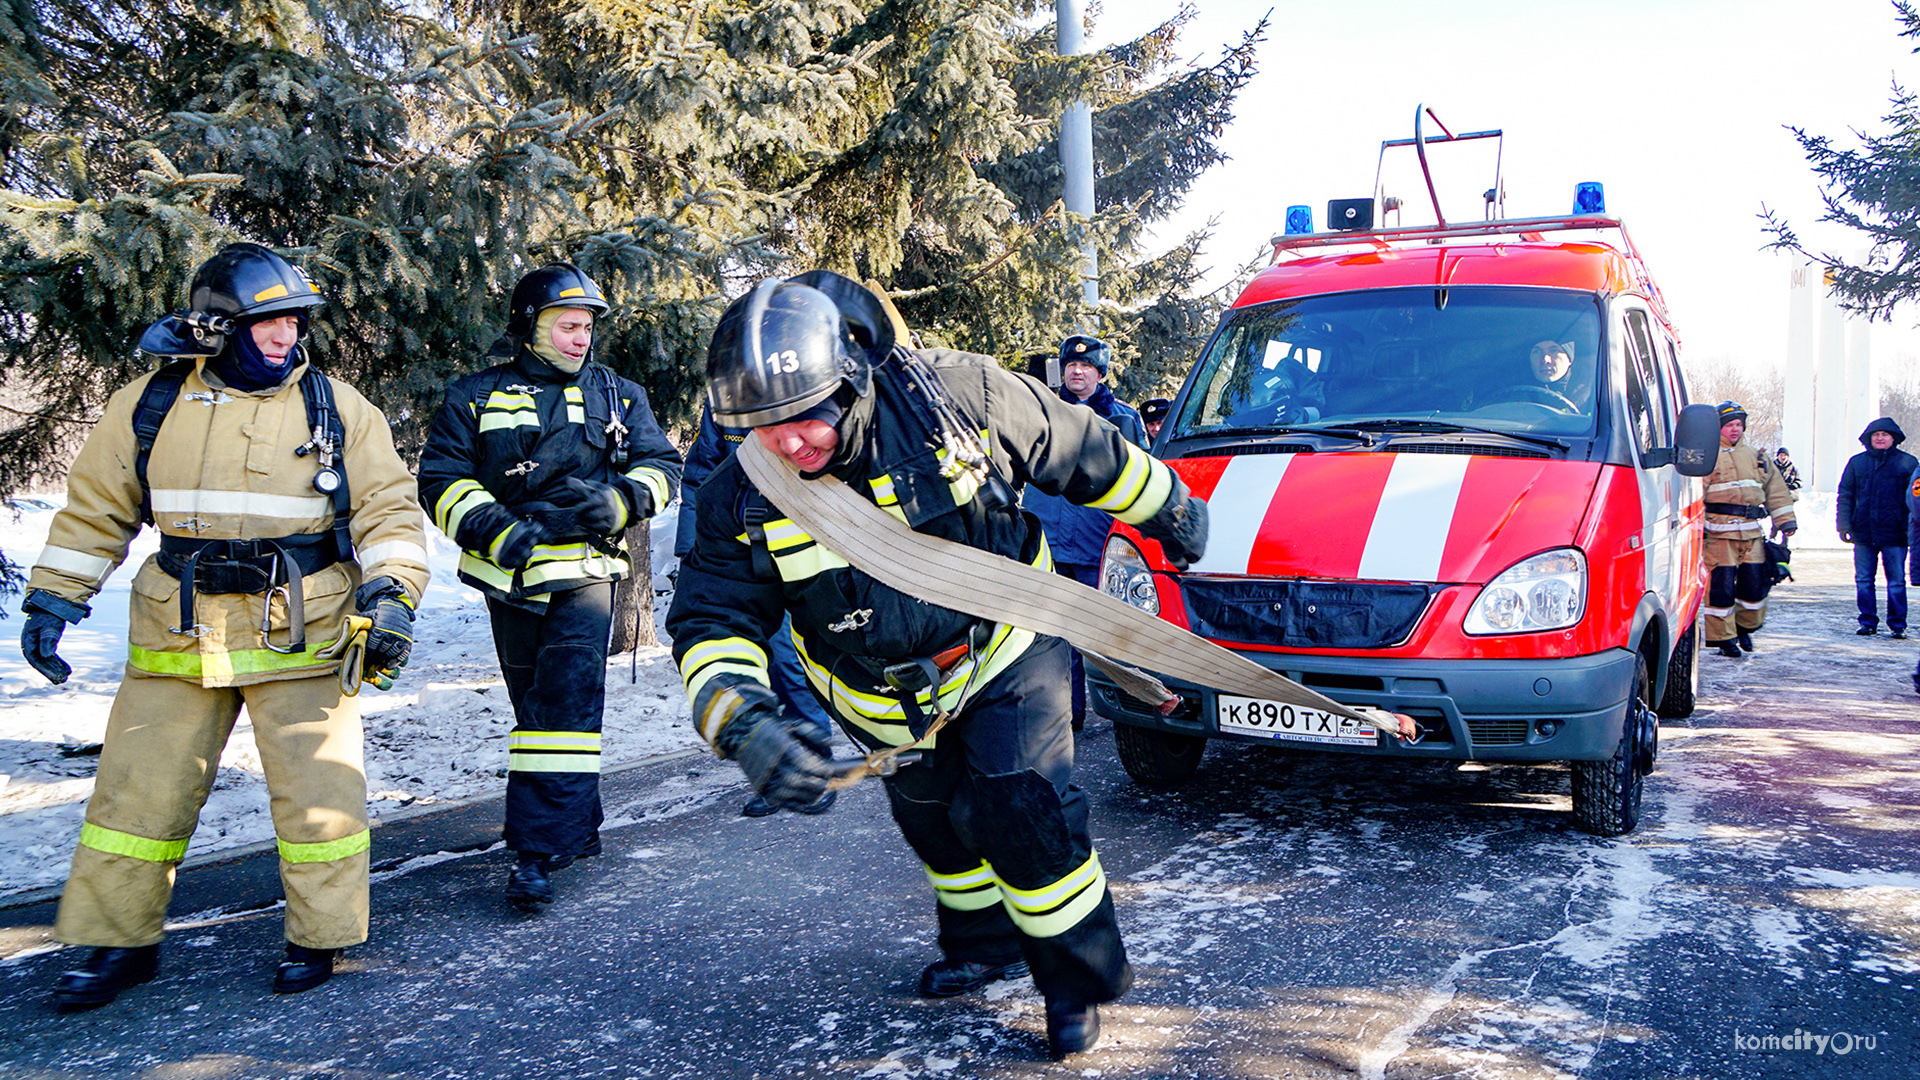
(351, 647)
(1109, 632)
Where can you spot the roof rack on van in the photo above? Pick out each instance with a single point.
(1589, 212)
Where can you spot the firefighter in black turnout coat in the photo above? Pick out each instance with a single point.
(535, 467)
(990, 807)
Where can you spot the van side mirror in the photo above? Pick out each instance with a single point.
(1696, 442)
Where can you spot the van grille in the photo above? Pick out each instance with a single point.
(1500, 732)
(1318, 614)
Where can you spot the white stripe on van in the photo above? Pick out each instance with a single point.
(1416, 512)
(1239, 504)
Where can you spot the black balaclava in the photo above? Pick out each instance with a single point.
(242, 366)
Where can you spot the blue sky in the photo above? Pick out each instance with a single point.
(1679, 107)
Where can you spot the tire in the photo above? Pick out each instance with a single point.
(1606, 794)
(1157, 758)
(1683, 676)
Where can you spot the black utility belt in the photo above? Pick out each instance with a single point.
(1751, 513)
(256, 567)
(245, 566)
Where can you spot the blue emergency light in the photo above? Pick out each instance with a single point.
(1299, 220)
(1589, 197)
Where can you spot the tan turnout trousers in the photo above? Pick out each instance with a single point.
(164, 738)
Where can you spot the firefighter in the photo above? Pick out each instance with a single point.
(991, 809)
(282, 509)
(1742, 490)
(535, 467)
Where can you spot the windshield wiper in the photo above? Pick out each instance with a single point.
(1343, 431)
(1441, 427)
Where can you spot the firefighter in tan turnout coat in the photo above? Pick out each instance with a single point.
(1743, 491)
(262, 561)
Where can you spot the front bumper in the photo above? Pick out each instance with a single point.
(1470, 710)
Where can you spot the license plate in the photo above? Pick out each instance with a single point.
(1291, 723)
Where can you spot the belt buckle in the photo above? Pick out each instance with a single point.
(907, 676)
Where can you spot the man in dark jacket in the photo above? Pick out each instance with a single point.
(942, 440)
(1078, 534)
(535, 466)
(1871, 514)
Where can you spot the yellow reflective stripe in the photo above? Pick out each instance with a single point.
(501, 399)
(554, 763)
(460, 498)
(655, 480)
(114, 842)
(573, 394)
(554, 740)
(807, 562)
(576, 414)
(782, 533)
(1054, 909)
(326, 850)
(221, 665)
(497, 421)
(970, 891)
(883, 492)
(964, 488)
(726, 648)
(884, 716)
(594, 567)
(1154, 498)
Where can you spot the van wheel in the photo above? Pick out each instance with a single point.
(1683, 676)
(1157, 758)
(1606, 794)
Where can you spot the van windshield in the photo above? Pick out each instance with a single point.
(1502, 358)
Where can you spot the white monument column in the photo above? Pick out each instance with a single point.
(1835, 435)
(1796, 420)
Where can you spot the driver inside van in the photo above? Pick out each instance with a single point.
(1552, 364)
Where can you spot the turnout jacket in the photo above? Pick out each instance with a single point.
(508, 437)
(223, 467)
(1742, 477)
(750, 564)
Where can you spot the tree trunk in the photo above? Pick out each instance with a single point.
(633, 597)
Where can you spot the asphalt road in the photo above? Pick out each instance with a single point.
(1288, 916)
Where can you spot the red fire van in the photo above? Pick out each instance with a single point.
(1451, 472)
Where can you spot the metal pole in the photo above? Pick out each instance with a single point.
(1076, 147)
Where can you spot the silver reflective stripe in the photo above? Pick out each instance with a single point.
(241, 503)
(393, 549)
(77, 563)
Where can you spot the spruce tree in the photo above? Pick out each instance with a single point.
(1875, 190)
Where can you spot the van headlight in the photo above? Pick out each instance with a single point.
(1547, 591)
(1125, 574)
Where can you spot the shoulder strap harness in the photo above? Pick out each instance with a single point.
(329, 439)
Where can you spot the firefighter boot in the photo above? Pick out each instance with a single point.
(529, 887)
(303, 969)
(1071, 1027)
(1744, 640)
(950, 978)
(106, 972)
(1728, 649)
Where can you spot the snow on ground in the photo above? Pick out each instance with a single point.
(439, 735)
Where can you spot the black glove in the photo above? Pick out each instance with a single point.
(598, 507)
(47, 618)
(390, 642)
(783, 761)
(517, 548)
(1180, 526)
